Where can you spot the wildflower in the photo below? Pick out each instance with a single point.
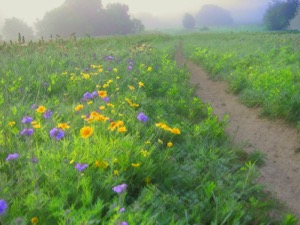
(102, 107)
(118, 78)
(47, 114)
(149, 69)
(129, 67)
(86, 132)
(122, 129)
(102, 94)
(169, 144)
(145, 153)
(135, 165)
(116, 172)
(90, 102)
(35, 124)
(3, 206)
(142, 117)
(33, 106)
(57, 133)
(115, 70)
(131, 87)
(87, 95)
(124, 223)
(27, 132)
(41, 109)
(78, 107)
(106, 99)
(86, 76)
(141, 84)
(120, 188)
(27, 119)
(175, 131)
(34, 160)
(12, 157)
(122, 210)
(111, 105)
(63, 126)
(80, 167)
(102, 164)
(34, 220)
(11, 123)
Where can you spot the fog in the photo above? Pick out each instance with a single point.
(153, 13)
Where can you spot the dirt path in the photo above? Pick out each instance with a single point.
(276, 139)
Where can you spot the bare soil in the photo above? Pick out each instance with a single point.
(276, 139)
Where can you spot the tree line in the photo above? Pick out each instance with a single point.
(77, 17)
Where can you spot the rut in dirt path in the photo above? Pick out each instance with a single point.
(277, 140)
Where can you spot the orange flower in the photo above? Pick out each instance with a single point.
(102, 94)
(41, 109)
(175, 131)
(86, 132)
(63, 126)
(78, 107)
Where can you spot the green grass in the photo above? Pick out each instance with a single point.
(178, 166)
(263, 68)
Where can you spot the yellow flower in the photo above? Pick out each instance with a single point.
(148, 142)
(41, 109)
(141, 84)
(175, 131)
(64, 73)
(86, 75)
(110, 105)
(35, 124)
(102, 94)
(112, 125)
(105, 85)
(100, 70)
(102, 107)
(145, 153)
(122, 129)
(34, 220)
(78, 107)
(72, 161)
(169, 144)
(86, 132)
(90, 102)
(101, 164)
(116, 172)
(115, 160)
(11, 123)
(131, 87)
(63, 126)
(120, 123)
(135, 165)
(115, 70)
(149, 69)
(118, 77)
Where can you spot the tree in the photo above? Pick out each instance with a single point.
(212, 15)
(13, 27)
(88, 17)
(280, 13)
(188, 21)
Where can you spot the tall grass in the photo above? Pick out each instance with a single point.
(109, 131)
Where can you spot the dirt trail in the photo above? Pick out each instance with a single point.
(276, 139)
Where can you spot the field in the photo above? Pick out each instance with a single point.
(109, 131)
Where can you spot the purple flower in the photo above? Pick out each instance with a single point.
(12, 156)
(48, 114)
(129, 67)
(95, 94)
(27, 119)
(34, 160)
(109, 57)
(57, 133)
(27, 131)
(106, 99)
(3, 206)
(87, 95)
(80, 167)
(33, 106)
(142, 117)
(119, 188)
(122, 210)
(124, 223)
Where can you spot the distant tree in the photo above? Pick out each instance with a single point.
(188, 21)
(87, 17)
(280, 13)
(212, 15)
(13, 27)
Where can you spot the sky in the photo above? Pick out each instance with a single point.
(31, 10)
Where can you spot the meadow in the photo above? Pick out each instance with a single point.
(262, 68)
(110, 131)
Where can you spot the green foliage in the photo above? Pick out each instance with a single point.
(188, 21)
(177, 165)
(14, 27)
(280, 13)
(262, 68)
(88, 18)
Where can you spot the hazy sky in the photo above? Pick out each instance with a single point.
(30, 10)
